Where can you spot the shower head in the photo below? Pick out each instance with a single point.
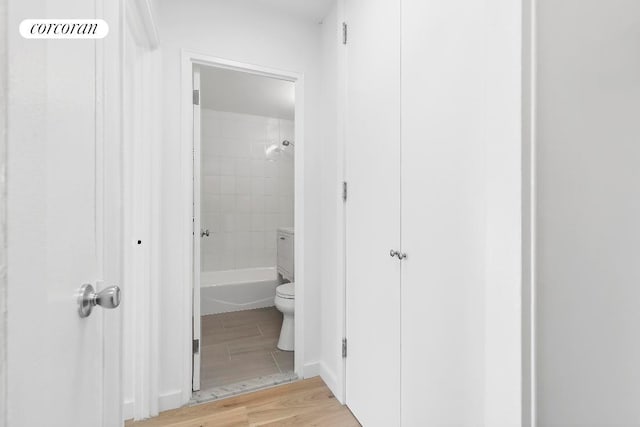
(274, 149)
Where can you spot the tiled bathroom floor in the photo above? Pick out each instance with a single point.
(241, 345)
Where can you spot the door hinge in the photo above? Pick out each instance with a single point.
(344, 33)
(344, 191)
(344, 347)
(196, 346)
(196, 97)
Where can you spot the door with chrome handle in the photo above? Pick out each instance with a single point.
(88, 298)
(400, 255)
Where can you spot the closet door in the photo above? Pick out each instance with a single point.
(373, 212)
(442, 213)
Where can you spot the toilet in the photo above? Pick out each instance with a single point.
(285, 302)
(286, 293)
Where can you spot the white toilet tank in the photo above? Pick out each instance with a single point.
(285, 247)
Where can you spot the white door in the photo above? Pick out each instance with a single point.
(56, 228)
(373, 212)
(197, 237)
(442, 214)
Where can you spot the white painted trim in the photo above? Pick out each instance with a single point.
(170, 400)
(3, 215)
(141, 198)
(529, 213)
(127, 410)
(166, 402)
(312, 369)
(196, 241)
(330, 379)
(189, 58)
(143, 22)
(533, 209)
(340, 387)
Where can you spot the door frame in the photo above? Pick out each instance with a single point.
(197, 224)
(4, 57)
(529, 213)
(188, 61)
(140, 163)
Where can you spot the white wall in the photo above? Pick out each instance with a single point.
(587, 134)
(237, 92)
(245, 196)
(243, 31)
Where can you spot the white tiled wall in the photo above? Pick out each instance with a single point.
(245, 197)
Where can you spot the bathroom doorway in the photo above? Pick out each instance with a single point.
(245, 247)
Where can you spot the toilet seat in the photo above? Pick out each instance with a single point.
(286, 291)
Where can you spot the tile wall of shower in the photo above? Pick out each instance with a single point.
(245, 197)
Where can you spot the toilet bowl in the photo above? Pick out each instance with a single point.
(285, 302)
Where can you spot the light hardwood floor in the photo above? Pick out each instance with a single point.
(303, 403)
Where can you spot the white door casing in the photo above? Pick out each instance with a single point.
(63, 141)
(373, 211)
(197, 162)
(191, 60)
(141, 221)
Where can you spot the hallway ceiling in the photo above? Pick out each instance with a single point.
(310, 9)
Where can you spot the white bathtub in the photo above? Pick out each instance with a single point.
(235, 290)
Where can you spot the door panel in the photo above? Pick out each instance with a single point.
(373, 211)
(442, 213)
(55, 228)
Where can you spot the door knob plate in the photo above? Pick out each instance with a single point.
(84, 300)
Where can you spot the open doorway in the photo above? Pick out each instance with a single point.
(244, 186)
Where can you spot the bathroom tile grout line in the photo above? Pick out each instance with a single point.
(276, 362)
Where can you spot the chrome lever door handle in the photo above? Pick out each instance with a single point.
(204, 233)
(402, 256)
(88, 298)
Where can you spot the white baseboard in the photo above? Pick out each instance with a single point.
(166, 402)
(170, 400)
(311, 369)
(331, 380)
(127, 410)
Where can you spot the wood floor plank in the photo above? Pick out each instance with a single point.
(333, 417)
(229, 418)
(303, 403)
